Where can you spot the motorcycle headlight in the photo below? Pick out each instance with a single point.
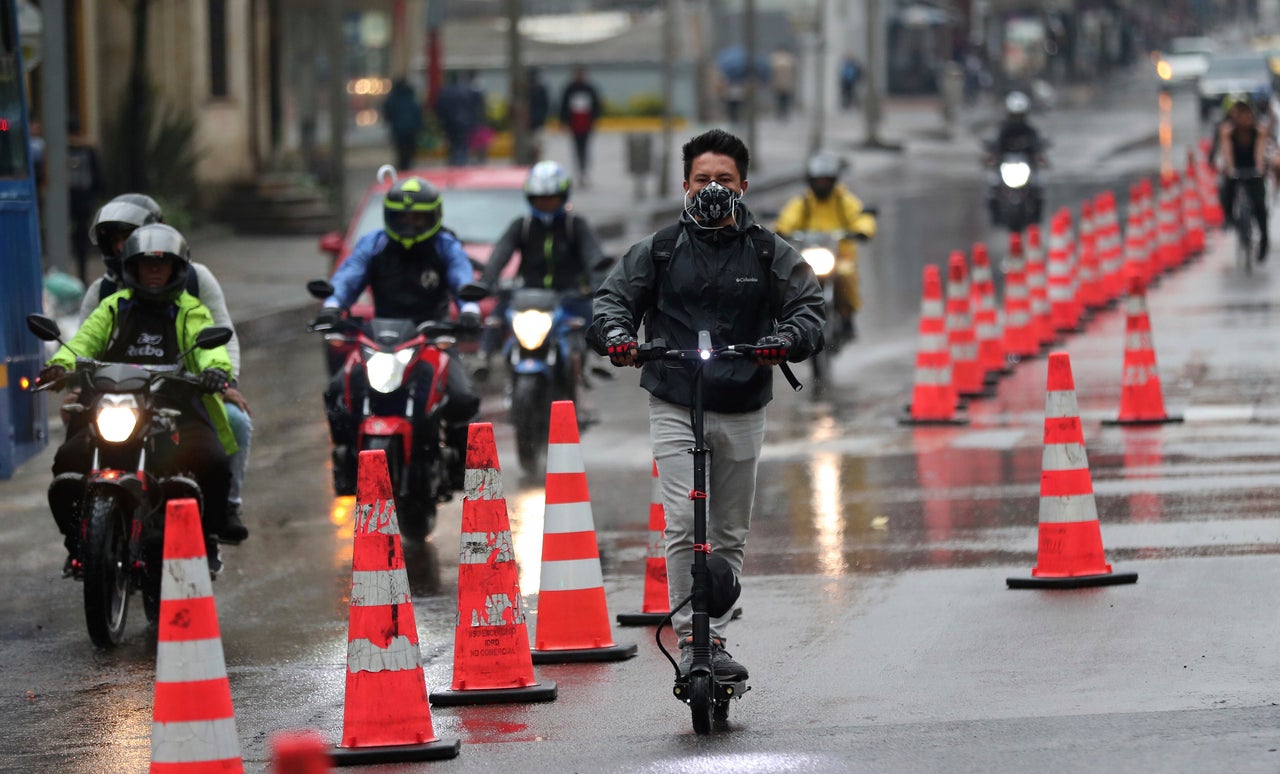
(386, 369)
(117, 417)
(820, 258)
(1015, 174)
(531, 327)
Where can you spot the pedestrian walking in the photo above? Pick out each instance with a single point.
(86, 187)
(403, 116)
(481, 135)
(580, 108)
(456, 111)
(782, 79)
(850, 73)
(539, 110)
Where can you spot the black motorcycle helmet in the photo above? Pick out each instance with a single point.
(823, 172)
(119, 217)
(149, 242)
(411, 211)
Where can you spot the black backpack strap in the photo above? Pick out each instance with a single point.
(107, 287)
(664, 243)
(762, 241)
(193, 281)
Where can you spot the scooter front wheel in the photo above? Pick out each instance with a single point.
(701, 702)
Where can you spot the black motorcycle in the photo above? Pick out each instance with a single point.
(118, 508)
(1015, 196)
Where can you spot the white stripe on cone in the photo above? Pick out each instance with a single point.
(197, 741)
(1068, 509)
(568, 517)
(572, 575)
(478, 547)
(565, 458)
(376, 588)
(399, 655)
(188, 579)
(484, 484)
(187, 661)
(1064, 456)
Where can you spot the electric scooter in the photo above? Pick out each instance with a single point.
(715, 590)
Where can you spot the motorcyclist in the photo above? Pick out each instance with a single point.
(829, 206)
(151, 321)
(414, 268)
(1244, 152)
(558, 248)
(1016, 136)
(112, 225)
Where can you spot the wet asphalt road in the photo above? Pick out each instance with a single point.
(877, 624)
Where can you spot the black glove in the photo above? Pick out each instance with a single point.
(214, 380)
(50, 373)
(327, 319)
(621, 346)
(469, 321)
(774, 349)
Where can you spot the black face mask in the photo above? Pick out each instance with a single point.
(822, 187)
(712, 204)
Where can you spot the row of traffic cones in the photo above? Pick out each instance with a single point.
(387, 709)
(964, 347)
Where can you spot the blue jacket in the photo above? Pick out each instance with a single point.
(352, 277)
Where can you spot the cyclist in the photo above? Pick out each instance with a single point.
(1244, 147)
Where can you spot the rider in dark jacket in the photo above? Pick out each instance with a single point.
(415, 270)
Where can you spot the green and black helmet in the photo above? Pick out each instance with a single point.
(412, 211)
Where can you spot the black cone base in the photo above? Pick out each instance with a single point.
(445, 697)
(1075, 582)
(439, 750)
(577, 656)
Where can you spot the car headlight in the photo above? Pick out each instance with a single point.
(117, 417)
(531, 327)
(820, 258)
(1015, 174)
(1164, 70)
(386, 369)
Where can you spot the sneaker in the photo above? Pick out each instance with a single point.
(686, 656)
(722, 663)
(234, 531)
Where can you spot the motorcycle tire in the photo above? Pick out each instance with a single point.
(105, 555)
(531, 415)
(415, 512)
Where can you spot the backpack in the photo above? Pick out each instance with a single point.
(527, 221)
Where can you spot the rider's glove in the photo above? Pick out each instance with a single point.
(50, 373)
(327, 318)
(214, 380)
(773, 349)
(622, 347)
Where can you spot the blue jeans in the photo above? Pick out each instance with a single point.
(242, 429)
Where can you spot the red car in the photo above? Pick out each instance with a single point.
(479, 203)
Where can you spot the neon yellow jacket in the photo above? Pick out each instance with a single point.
(95, 335)
(839, 211)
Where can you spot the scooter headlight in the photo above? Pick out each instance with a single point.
(386, 369)
(117, 417)
(820, 258)
(1015, 174)
(531, 327)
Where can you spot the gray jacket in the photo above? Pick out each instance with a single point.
(713, 281)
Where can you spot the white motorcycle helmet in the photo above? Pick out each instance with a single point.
(1016, 104)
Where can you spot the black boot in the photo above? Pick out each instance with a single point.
(455, 435)
(234, 531)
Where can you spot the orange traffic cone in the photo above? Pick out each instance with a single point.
(986, 318)
(573, 617)
(299, 752)
(1020, 338)
(1150, 230)
(1064, 306)
(1141, 402)
(1169, 223)
(1038, 288)
(194, 723)
(1207, 178)
(933, 399)
(966, 371)
(491, 662)
(1110, 246)
(1070, 551)
(1192, 209)
(386, 717)
(656, 605)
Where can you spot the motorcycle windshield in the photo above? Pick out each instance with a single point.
(388, 332)
(124, 377)
(534, 298)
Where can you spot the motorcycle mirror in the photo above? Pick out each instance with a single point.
(386, 173)
(213, 337)
(44, 328)
(320, 289)
(472, 291)
(870, 210)
(431, 329)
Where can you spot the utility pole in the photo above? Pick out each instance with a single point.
(519, 103)
(872, 104)
(818, 113)
(53, 94)
(750, 32)
(669, 12)
(337, 110)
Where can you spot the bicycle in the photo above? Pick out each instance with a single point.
(1242, 218)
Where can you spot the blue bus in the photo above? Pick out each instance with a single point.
(23, 414)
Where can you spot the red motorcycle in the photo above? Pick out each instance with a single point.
(388, 356)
